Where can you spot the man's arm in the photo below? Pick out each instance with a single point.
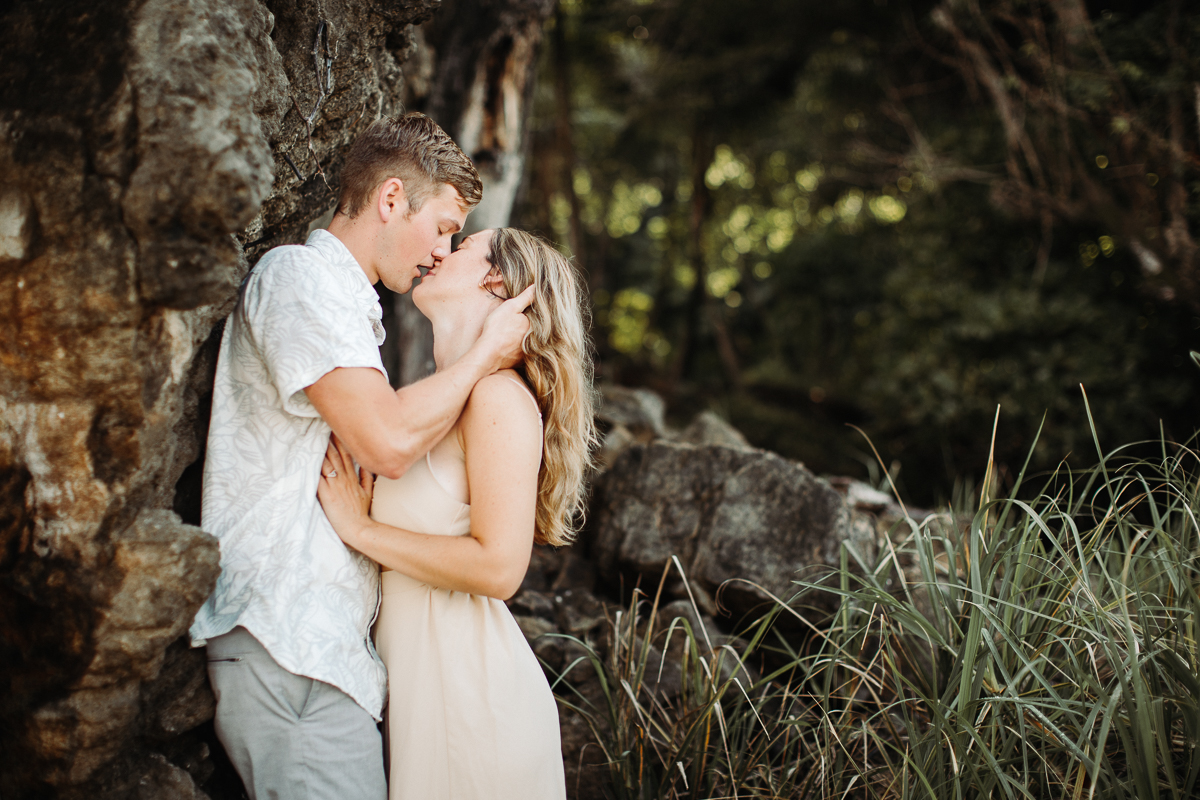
(502, 436)
(386, 430)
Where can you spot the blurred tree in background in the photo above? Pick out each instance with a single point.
(897, 215)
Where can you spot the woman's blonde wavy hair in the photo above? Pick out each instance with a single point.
(558, 367)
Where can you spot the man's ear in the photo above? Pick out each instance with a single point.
(391, 199)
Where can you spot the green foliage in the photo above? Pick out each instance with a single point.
(925, 328)
(806, 216)
(1031, 649)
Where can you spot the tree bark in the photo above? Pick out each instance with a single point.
(1054, 140)
(702, 155)
(485, 58)
(565, 141)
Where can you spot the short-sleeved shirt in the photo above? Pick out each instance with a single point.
(285, 575)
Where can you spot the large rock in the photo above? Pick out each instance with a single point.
(149, 151)
(742, 521)
(640, 411)
(627, 415)
(708, 428)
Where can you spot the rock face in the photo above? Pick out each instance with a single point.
(150, 150)
(740, 515)
(708, 428)
(627, 416)
(640, 411)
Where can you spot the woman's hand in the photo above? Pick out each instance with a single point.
(344, 493)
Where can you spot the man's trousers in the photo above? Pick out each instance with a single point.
(291, 737)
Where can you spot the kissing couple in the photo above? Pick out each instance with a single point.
(444, 486)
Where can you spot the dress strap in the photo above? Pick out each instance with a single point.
(429, 466)
(528, 392)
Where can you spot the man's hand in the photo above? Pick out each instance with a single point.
(504, 332)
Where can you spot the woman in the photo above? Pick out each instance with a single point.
(470, 714)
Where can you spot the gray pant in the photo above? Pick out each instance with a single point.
(291, 737)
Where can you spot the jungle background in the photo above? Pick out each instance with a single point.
(812, 218)
(889, 214)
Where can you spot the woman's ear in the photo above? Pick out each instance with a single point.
(493, 283)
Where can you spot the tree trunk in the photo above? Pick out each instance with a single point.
(484, 57)
(565, 143)
(702, 155)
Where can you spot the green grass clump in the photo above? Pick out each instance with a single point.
(1040, 648)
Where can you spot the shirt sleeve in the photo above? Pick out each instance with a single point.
(305, 323)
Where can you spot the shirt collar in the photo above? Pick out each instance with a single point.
(334, 251)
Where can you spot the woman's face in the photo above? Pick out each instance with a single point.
(456, 278)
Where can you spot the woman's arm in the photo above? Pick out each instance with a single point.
(502, 439)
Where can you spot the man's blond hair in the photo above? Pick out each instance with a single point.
(414, 149)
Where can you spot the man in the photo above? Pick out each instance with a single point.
(299, 688)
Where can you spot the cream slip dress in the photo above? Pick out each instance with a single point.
(470, 715)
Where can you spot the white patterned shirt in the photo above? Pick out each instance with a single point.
(285, 575)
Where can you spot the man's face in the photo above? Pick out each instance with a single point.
(416, 240)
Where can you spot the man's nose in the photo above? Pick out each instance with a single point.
(441, 249)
